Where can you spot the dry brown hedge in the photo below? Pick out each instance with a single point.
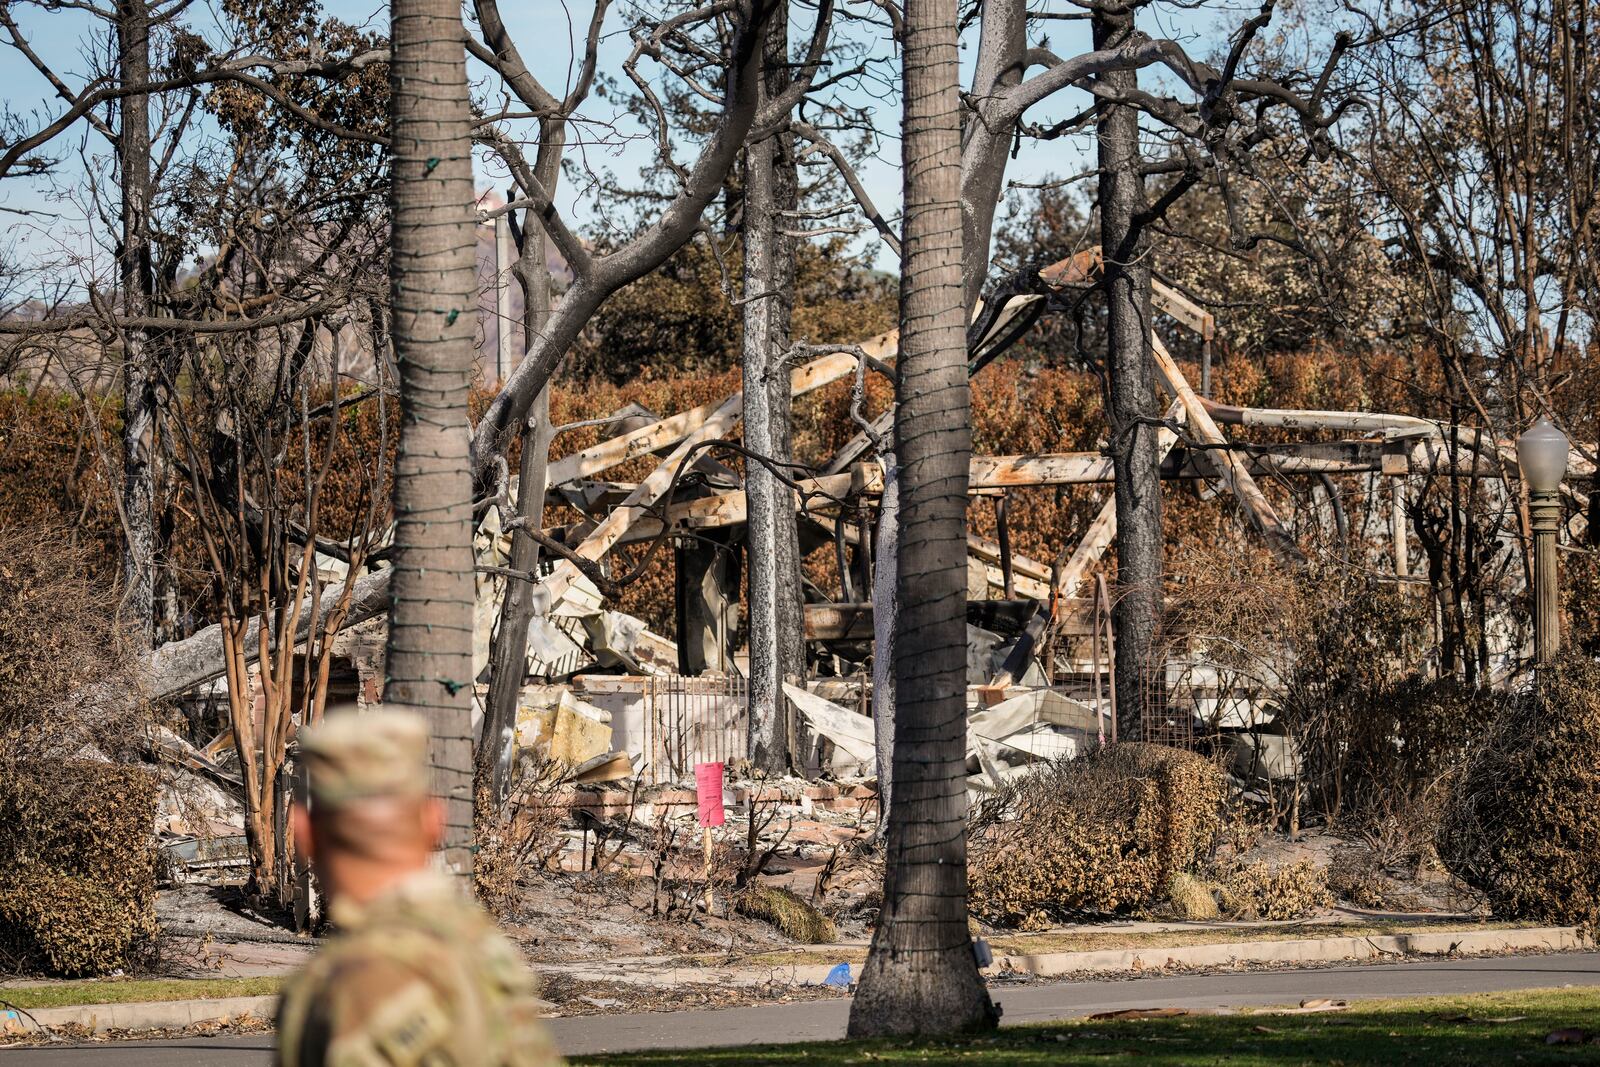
(78, 893)
(65, 676)
(1522, 824)
(1102, 833)
(77, 880)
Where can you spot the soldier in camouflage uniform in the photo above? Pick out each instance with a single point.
(416, 974)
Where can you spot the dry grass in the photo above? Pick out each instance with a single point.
(793, 917)
(1192, 897)
(134, 991)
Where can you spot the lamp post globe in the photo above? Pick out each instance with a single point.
(1542, 455)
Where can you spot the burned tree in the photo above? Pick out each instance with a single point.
(1131, 407)
(697, 184)
(509, 650)
(771, 194)
(1208, 139)
(1479, 158)
(137, 283)
(758, 95)
(433, 289)
(921, 975)
(598, 274)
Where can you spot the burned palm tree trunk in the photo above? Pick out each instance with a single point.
(433, 288)
(921, 975)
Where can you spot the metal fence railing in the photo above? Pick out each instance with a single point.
(691, 720)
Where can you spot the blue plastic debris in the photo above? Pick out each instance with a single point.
(839, 976)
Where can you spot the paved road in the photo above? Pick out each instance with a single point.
(822, 1020)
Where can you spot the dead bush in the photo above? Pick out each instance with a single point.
(1580, 596)
(1522, 824)
(66, 679)
(1379, 757)
(1262, 891)
(1336, 648)
(1101, 833)
(63, 924)
(522, 835)
(1356, 875)
(75, 843)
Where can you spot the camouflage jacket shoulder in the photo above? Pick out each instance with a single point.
(418, 978)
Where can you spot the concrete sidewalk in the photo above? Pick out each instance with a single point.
(177, 1014)
(825, 1020)
(809, 965)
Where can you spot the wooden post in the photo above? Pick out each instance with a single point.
(1003, 532)
(1094, 665)
(1103, 529)
(1397, 526)
(1104, 598)
(1232, 470)
(705, 837)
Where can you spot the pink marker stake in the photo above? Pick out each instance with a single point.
(708, 794)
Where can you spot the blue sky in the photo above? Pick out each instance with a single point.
(549, 32)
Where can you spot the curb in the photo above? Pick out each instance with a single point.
(1153, 959)
(1318, 950)
(139, 1015)
(178, 1014)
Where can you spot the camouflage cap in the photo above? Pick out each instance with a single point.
(361, 755)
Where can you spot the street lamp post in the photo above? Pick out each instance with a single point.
(1542, 455)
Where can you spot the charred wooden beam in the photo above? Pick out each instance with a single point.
(1232, 470)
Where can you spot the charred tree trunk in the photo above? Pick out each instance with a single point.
(606, 274)
(137, 282)
(921, 975)
(1131, 368)
(433, 289)
(777, 642)
(508, 655)
(885, 575)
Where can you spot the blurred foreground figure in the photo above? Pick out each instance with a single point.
(415, 973)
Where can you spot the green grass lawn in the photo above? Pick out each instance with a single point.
(125, 991)
(1493, 1028)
